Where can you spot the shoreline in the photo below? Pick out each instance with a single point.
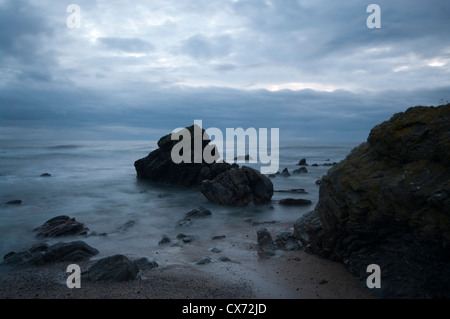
(287, 275)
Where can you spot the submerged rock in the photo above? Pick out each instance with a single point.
(61, 226)
(388, 203)
(14, 202)
(113, 268)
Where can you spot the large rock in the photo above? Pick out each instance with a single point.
(238, 187)
(61, 226)
(158, 165)
(113, 268)
(388, 203)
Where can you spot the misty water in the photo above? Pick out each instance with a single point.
(95, 182)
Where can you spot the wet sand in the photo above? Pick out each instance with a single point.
(287, 275)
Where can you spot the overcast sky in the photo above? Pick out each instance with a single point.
(138, 69)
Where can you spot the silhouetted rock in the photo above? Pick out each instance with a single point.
(113, 268)
(45, 175)
(315, 165)
(388, 203)
(285, 172)
(238, 187)
(61, 226)
(302, 162)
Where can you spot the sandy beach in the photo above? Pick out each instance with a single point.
(287, 275)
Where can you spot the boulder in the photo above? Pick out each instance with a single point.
(238, 187)
(302, 162)
(113, 268)
(388, 203)
(61, 226)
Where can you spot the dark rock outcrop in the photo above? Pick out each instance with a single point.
(159, 166)
(388, 203)
(40, 254)
(61, 226)
(302, 162)
(301, 170)
(113, 268)
(14, 202)
(266, 245)
(238, 187)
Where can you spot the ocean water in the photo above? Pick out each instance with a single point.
(95, 182)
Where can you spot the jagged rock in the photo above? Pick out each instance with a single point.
(302, 162)
(238, 187)
(285, 172)
(61, 226)
(193, 213)
(301, 170)
(113, 268)
(388, 203)
(295, 202)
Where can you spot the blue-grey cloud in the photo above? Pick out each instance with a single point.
(133, 45)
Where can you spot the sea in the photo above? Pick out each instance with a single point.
(95, 183)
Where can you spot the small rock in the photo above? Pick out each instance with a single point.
(8, 255)
(302, 162)
(266, 245)
(218, 237)
(285, 172)
(14, 202)
(301, 170)
(203, 261)
(164, 240)
(223, 258)
(45, 175)
(319, 181)
(215, 250)
(61, 226)
(272, 176)
(315, 165)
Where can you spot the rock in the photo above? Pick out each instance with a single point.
(72, 251)
(295, 202)
(301, 170)
(319, 181)
(14, 202)
(61, 226)
(329, 164)
(45, 175)
(315, 165)
(218, 237)
(114, 268)
(203, 261)
(215, 250)
(285, 172)
(266, 246)
(238, 187)
(271, 176)
(302, 162)
(143, 263)
(126, 226)
(164, 240)
(223, 258)
(185, 238)
(40, 254)
(158, 165)
(193, 213)
(387, 203)
(295, 190)
(286, 241)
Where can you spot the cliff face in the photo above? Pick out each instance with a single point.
(388, 203)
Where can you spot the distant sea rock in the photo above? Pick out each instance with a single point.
(219, 182)
(388, 203)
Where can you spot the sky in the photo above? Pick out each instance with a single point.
(139, 69)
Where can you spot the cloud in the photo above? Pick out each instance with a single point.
(131, 45)
(201, 47)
